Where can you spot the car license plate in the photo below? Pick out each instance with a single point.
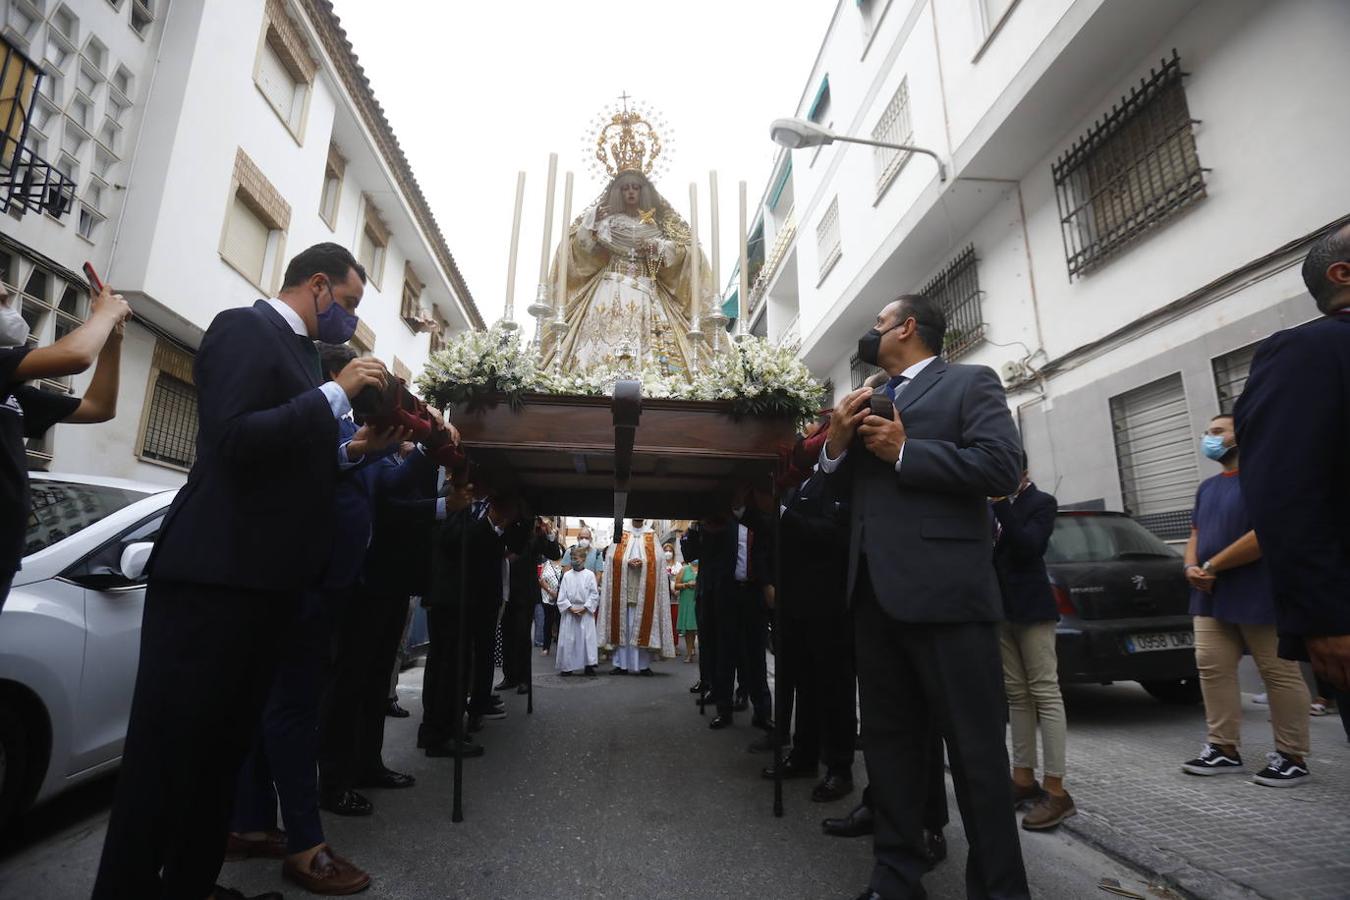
(1147, 642)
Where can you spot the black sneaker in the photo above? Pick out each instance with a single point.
(1281, 771)
(1212, 761)
(492, 712)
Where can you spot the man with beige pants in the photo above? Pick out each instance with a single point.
(1234, 607)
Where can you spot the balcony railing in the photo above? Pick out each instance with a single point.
(791, 338)
(31, 184)
(773, 260)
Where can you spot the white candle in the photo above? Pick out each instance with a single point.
(560, 299)
(515, 245)
(548, 217)
(694, 272)
(716, 242)
(743, 290)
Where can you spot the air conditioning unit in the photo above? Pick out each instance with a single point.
(1013, 370)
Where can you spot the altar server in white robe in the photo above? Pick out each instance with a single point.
(635, 604)
(578, 599)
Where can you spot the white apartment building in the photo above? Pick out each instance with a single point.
(1131, 186)
(207, 141)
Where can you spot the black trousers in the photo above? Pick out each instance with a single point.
(517, 623)
(208, 657)
(281, 765)
(913, 677)
(742, 622)
(707, 641)
(442, 705)
(815, 674)
(370, 625)
(482, 637)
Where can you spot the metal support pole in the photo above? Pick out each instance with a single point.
(779, 726)
(457, 806)
(529, 671)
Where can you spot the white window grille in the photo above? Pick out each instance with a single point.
(828, 242)
(894, 128)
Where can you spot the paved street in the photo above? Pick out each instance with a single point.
(614, 788)
(1218, 836)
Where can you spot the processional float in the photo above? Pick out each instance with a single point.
(604, 455)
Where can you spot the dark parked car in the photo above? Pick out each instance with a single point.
(1122, 602)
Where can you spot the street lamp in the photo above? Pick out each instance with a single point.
(796, 134)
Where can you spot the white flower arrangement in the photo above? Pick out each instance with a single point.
(757, 377)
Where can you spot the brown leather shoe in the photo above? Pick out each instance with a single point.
(271, 847)
(1030, 794)
(1049, 812)
(327, 874)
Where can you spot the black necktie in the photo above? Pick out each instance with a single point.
(311, 354)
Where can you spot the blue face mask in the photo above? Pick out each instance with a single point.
(336, 325)
(1212, 446)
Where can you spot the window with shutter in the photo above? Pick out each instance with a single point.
(1155, 454)
(246, 238)
(277, 83)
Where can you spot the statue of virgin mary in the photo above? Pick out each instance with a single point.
(629, 295)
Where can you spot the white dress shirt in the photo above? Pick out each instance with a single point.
(829, 465)
(337, 397)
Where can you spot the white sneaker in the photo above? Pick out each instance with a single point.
(1280, 771)
(1261, 698)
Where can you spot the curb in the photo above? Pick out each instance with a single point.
(1169, 869)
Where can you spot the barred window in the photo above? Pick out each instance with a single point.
(828, 244)
(1230, 375)
(1134, 170)
(169, 432)
(860, 371)
(957, 290)
(894, 128)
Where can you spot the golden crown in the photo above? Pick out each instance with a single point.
(628, 139)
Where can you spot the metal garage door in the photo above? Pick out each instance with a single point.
(1155, 453)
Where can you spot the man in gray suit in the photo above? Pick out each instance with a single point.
(925, 598)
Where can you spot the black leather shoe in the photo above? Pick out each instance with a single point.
(762, 722)
(935, 847)
(348, 803)
(449, 748)
(387, 778)
(394, 711)
(833, 787)
(857, 823)
(617, 671)
(792, 769)
(697, 688)
(505, 685)
(589, 671)
(647, 673)
(720, 722)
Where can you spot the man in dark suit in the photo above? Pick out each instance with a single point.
(1293, 425)
(925, 598)
(248, 533)
(523, 596)
(482, 527)
(815, 648)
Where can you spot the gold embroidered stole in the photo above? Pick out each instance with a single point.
(616, 590)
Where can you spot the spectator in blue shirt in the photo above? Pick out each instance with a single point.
(1234, 607)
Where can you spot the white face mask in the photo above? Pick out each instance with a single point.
(13, 328)
(669, 556)
(584, 543)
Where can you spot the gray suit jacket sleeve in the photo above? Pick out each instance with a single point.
(986, 462)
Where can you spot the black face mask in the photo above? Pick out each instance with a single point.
(869, 345)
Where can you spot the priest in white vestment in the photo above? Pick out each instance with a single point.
(578, 599)
(635, 604)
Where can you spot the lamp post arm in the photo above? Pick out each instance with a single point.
(942, 168)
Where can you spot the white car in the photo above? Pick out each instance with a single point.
(70, 633)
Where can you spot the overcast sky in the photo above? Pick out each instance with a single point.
(479, 91)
